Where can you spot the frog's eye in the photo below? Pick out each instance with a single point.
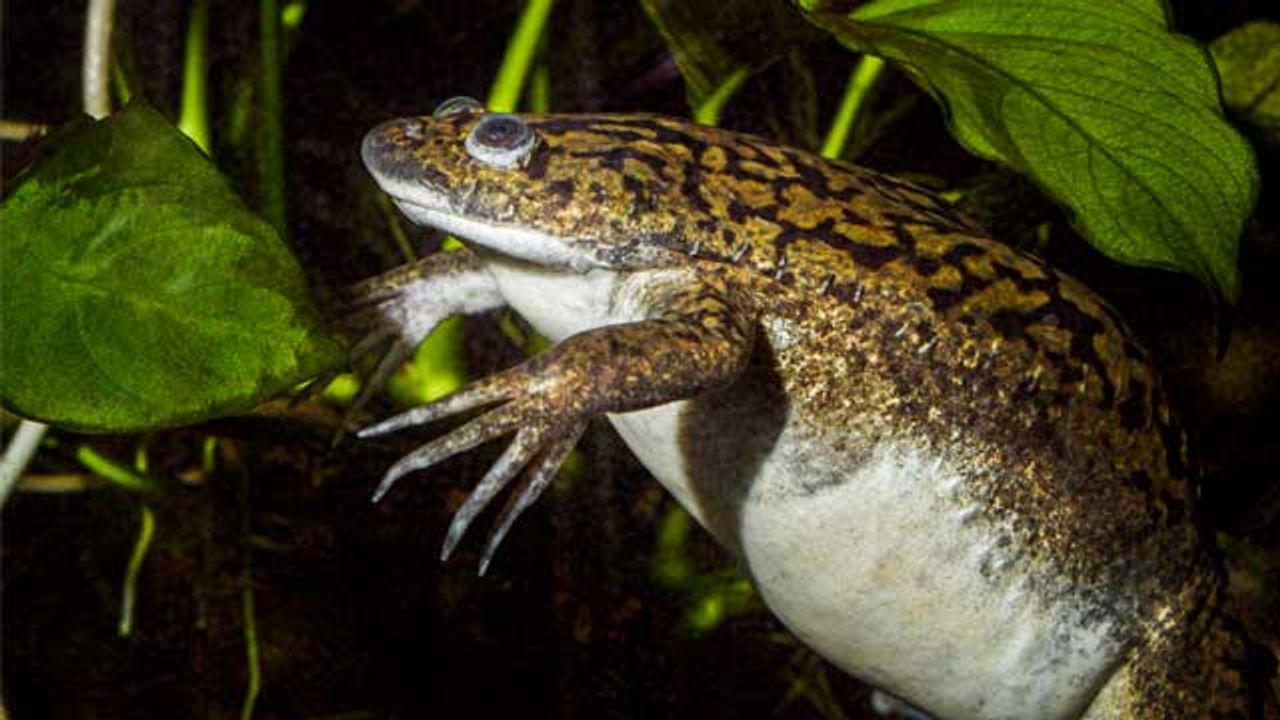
(455, 105)
(501, 140)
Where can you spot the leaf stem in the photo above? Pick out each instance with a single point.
(128, 597)
(866, 73)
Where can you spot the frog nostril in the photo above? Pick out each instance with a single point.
(377, 142)
(414, 130)
(391, 138)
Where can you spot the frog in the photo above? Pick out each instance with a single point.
(947, 467)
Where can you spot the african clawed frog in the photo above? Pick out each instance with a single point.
(947, 467)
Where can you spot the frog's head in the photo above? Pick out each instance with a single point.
(576, 191)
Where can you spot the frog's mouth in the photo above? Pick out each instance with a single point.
(425, 203)
(426, 206)
(508, 239)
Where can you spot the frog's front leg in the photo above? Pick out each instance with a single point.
(398, 309)
(693, 338)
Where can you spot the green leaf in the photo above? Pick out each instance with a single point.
(138, 291)
(1111, 114)
(1248, 60)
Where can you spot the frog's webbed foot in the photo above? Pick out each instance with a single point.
(394, 312)
(697, 340)
(544, 437)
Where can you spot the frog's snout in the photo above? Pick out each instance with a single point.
(386, 148)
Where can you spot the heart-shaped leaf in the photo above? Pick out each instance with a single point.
(1114, 116)
(138, 291)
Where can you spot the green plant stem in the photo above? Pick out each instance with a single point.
(112, 471)
(146, 530)
(710, 110)
(866, 73)
(251, 653)
(193, 118)
(540, 88)
(271, 117)
(128, 597)
(392, 217)
(504, 94)
(120, 79)
(248, 606)
(208, 455)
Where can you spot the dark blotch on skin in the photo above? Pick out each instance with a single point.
(738, 211)
(926, 266)
(1009, 323)
(562, 189)
(1140, 480)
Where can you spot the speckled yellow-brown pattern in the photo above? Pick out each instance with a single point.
(948, 468)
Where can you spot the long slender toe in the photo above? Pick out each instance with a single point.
(517, 455)
(528, 492)
(468, 398)
(482, 429)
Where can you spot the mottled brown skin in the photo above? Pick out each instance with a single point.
(941, 329)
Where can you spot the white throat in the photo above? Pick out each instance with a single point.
(512, 240)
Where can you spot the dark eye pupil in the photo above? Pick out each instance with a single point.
(501, 132)
(501, 140)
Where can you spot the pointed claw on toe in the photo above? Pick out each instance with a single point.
(524, 496)
(518, 454)
(482, 429)
(468, 398)
(384, 486)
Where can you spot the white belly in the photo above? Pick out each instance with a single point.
(879, 566)
(888, 577)
(892, 577)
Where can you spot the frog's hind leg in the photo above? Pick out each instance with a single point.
(1197, 664)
